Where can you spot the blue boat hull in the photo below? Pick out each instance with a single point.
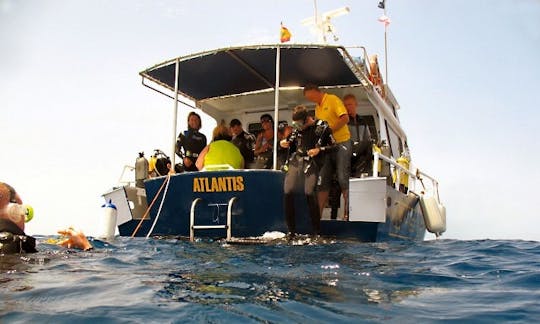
(258, 209)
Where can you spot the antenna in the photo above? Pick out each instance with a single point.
(386, 21)
(322, 24)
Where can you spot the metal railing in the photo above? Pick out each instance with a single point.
(363, 76)
(193, 226)
(399, 169)
(121, 180)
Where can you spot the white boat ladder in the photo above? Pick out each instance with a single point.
(193, 227)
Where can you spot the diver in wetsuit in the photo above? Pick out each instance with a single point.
(308, 144)
(191, 142)
(13, 239)
(12, 236)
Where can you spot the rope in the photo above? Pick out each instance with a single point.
(421, 180)
(160, 206)
(149, 207)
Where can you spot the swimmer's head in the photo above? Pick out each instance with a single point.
(7, 195)
(11, 205)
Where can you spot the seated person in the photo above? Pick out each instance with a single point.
(265, 143)
(191, 142)
(361, 138)
(220, 151)
(243, 140)
(13, 239)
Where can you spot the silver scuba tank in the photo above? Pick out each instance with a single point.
(141, 170)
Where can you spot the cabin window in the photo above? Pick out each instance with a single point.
(394, 111)
(370, 121)
(388, 136)
(395, 143)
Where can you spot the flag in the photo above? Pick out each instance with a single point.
(385, 20)
(381, 4)
(285, 34)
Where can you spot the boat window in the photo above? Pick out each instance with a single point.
(370, 121)
(387, 135)
(395, 143)
(394, 111)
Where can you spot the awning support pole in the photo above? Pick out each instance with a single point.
(276, 106)
(385, 50)
(175, 116)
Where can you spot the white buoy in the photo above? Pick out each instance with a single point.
(109, 221)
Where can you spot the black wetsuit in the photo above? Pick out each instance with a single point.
(361, 146)
(14, 240)
(245, 143)
(304, 171)
(190, 144)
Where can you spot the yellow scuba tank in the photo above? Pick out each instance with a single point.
(377, 149)
(403, 177)
(152, 164)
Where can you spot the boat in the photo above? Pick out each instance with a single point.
(394, 200)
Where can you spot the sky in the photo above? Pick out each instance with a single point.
(73, 110)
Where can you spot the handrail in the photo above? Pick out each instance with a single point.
(229, 217)
(366, 57)
(433, 181)
(416, 176)
(192, 218)
(363, 77)
(126, 167)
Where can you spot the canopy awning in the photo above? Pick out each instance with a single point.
(240, 70)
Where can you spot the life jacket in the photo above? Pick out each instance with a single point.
(224, 152)
(14, 240)
(316, 135)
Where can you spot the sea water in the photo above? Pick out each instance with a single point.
(170, 280)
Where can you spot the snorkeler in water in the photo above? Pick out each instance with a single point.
(13, 239)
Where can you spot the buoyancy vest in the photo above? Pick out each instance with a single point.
(193, 142)
(14, 240)
(245, 143)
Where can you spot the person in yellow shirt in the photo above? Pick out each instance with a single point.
(330, 108)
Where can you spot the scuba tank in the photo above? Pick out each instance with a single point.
(403, 177)
(109, 221)
(152, 166)
(162, 161)
(377, 149)
(141, 170)
(385, 168)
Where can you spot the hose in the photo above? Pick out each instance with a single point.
(149, 207)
